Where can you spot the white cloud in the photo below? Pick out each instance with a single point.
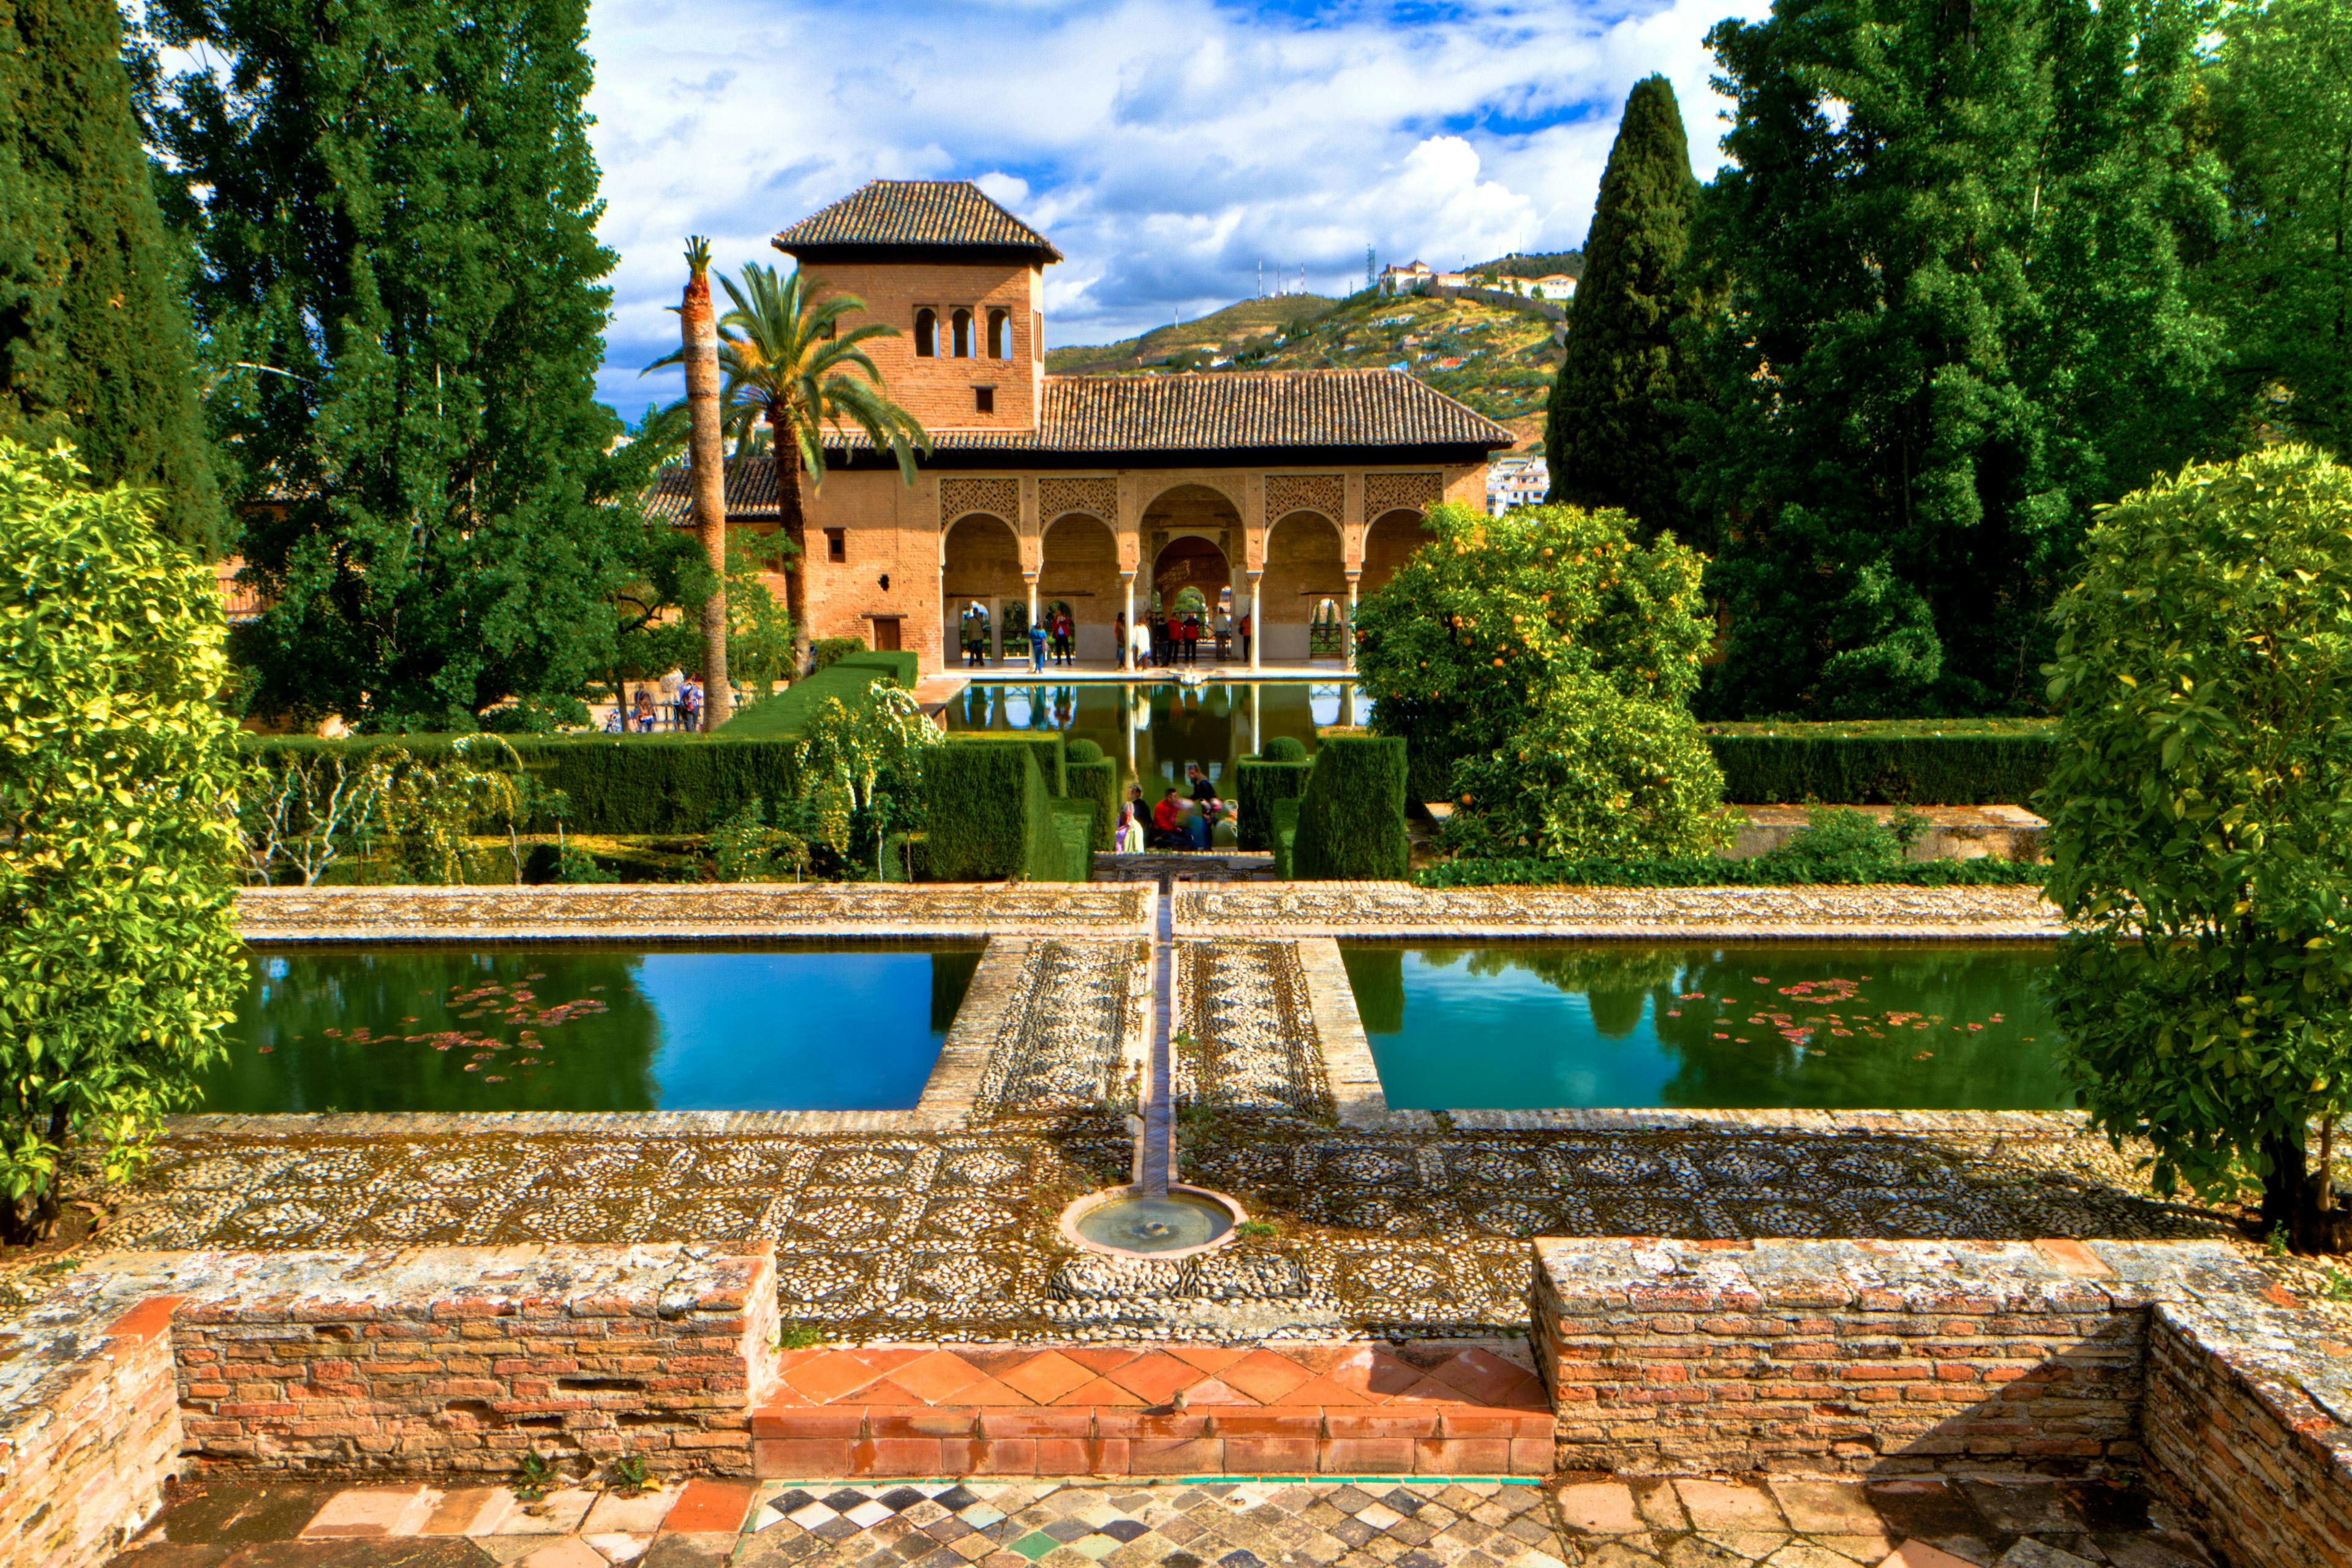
(1166, 145)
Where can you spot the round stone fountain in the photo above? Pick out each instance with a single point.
(1132, 1222)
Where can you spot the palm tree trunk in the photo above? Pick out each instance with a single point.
(707, 467)
(786, 456)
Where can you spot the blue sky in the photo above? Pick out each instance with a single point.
(1165, 145)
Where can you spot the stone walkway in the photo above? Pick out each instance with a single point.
(1212, 1522)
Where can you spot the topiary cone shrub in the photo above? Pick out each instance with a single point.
(1284, 749)
(1093, 777)
(1351, 816)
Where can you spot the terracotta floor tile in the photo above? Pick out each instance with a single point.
(1101, 1391)
(936, 1377)
(1156, 1376)
(1215, 1391)
(1266, 1378)
(1323, 1391)
(997, 1360)
(1385, 1378)
(372, 1511)
(1045, 1376)
(1100, 1358)
(885, 1359)
(1426, 1389)
(709, 1503)
(1485, 1376)
(1211, 1359)
(836, 1374)
(988, 1391)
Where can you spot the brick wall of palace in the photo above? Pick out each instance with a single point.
(90, 1432)
(938, 390)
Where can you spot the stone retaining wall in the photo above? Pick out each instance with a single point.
(460, 1360)
(90, 1432)
(2248, 1425)
(2176, 1359)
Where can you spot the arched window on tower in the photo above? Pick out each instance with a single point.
(962, 319)
(927, 333)
(1000, 334)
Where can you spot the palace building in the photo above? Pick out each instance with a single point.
(1277, 494)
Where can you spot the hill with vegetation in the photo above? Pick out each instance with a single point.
(1497, 360)
(1542, 264)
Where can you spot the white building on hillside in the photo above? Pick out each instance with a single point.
(1519, 481)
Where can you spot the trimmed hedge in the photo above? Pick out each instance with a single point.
(1258, 783)
(991, 816)
(788, 712)
(1352, 816)
(1047, 746)
(616, 783)
(1284, 749)
(1285, 816)
(1095, 780)
(1959, 763)
(1073, 831)
(1702, 871)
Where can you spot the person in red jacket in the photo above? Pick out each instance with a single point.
(1165, 817)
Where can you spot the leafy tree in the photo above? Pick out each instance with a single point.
(2201, 826)
(1539, 663)
(790, 366)
(861, 767)
(119, 961)
(94, 344)
(1958, 318)
(1616, 412)
(394, 206)
(2285, 109)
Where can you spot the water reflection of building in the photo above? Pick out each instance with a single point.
(1156, 730)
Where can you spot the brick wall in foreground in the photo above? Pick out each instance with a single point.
(2238, 1433)
(463, 1359)
(1882, 1358)
(89, 1438)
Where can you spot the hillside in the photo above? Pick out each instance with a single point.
(1543, 264)
(1497, 360)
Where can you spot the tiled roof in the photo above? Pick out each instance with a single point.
(1118, 415)
(915, 213)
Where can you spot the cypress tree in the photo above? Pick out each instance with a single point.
(94, 345)
(1615, 412)
(396, 229)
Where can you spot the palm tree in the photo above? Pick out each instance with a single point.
(788, 365)
(707, 469)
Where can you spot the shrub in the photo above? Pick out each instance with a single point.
(1047, 746)
(746, 847)
(1284, 749)
(1284, 817)
(1073, 831)
(2200, 826)
(789, 711)
(1352, 816)
(1775, 870)
(120, 961)
(1096, 779)
(1258, 783)
(860, 767)
(990, 815)
(1947, 763)
(1554, 657)
(826, 652)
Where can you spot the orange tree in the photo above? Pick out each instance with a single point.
(2200, 827)
(1538, 665)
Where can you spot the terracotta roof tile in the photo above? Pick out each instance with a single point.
(915, 213)
(1121, 416)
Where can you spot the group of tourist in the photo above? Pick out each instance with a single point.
(679, 706)
(1169, 641)
(1198, 821)
(1054, 638)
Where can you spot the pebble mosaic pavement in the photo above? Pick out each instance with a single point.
(1367, 1522)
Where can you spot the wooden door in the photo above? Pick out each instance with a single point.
(886, 634)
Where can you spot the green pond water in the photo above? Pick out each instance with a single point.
(1923, 1026)
(1153, 730)
(589, 1027)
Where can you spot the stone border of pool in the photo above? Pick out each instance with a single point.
(1355, 1085)
(1874, 912)
(711, 912)
(1002, 987)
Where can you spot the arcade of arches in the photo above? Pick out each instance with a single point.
(1127, 544)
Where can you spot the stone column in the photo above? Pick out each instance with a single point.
(1257, 622)
(1348, 629)
(1126, 601)
(1029, 578)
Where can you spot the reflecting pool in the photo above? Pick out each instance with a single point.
(1922, 1027)
(589, 1027)
(1154, 729)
